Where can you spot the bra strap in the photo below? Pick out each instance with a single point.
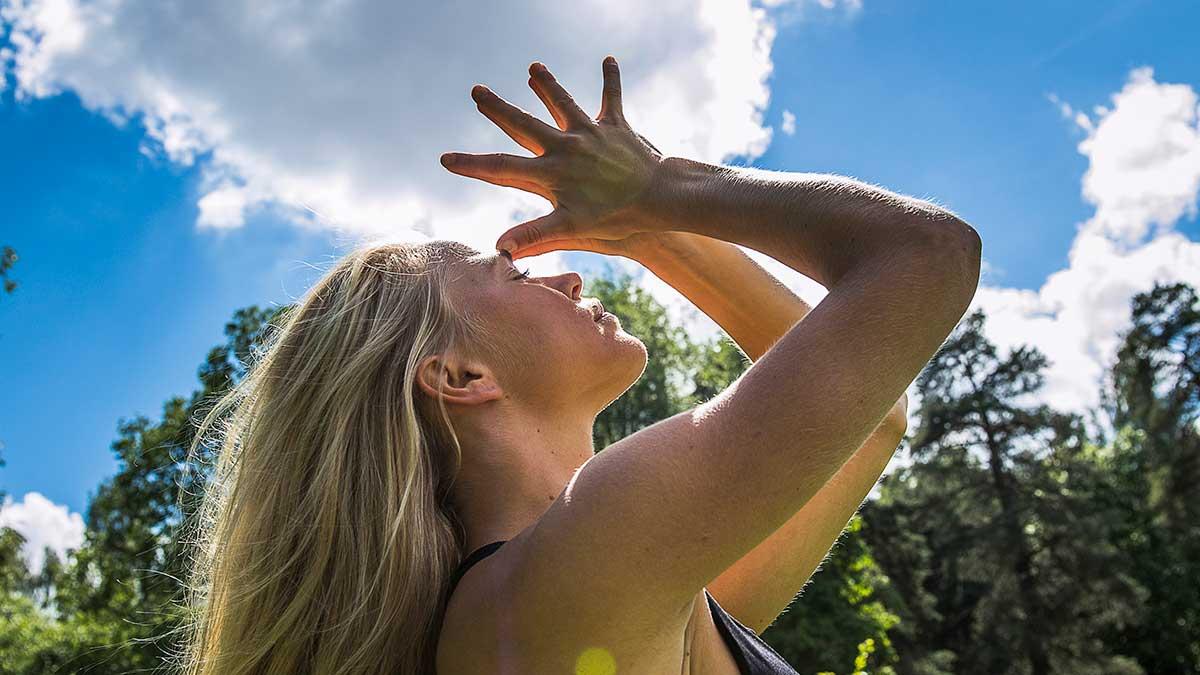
(475, 556)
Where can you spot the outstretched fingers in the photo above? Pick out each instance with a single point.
(610, 101)
(529, 131)
(498, 168)
(561, 105)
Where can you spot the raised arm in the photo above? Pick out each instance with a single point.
(822, 225)
(677, 503)
(756, 309)
(633, 534)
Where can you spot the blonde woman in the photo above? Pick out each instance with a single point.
(408, 484)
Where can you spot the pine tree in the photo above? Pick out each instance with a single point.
(989, 535)
(1153, 403)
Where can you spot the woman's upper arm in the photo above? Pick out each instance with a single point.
(646, 523)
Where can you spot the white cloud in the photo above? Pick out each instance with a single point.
(43, 523)
(1070, 113)
(1145, 159)
(1144, 171)
(346, 105)
(850, 6)
(788, 126)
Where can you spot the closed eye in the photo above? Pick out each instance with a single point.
(524, 275)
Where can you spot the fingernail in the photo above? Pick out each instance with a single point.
(507, 245)
(448, 160)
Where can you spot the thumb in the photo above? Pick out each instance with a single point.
(550, 227)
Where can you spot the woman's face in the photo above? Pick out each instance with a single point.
(554, 349)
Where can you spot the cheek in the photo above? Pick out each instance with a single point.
(534, 330)
(545, 334)
(516, 341)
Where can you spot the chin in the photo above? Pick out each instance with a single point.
(613, 369)
(630, 362)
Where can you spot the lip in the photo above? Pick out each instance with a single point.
(598, 311)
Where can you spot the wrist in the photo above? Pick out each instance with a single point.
(675, 187)
(656, 249)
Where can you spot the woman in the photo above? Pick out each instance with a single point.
(426, 412)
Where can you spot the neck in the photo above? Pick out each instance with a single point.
(515, 464)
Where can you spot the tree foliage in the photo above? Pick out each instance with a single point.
(657, 393)
(1002, 565)
(1153, 465)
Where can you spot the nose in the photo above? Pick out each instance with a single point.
(569, 284)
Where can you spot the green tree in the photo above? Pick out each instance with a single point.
(842, 615)
(118, 597)
(717, 366)
(27, 625)
(1153, 402)
(14, 573)
(657, 394)
(991, 536)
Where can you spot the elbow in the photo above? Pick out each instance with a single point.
(960, 235)
(970, 246)
(945, 230)
(955, 249)
(971, 243)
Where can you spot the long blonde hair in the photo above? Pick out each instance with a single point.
(326, 535)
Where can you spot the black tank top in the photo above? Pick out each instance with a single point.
(752, 654)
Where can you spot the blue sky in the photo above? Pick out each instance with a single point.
(122, 292)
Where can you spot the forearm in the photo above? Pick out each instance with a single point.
(820, 225)
(745, 300)
(749, 303)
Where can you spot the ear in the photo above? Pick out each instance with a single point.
(462, 382)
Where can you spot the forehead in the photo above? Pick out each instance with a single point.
(483, 264)
(476, 267)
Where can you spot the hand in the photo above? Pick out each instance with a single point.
(596, 173)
